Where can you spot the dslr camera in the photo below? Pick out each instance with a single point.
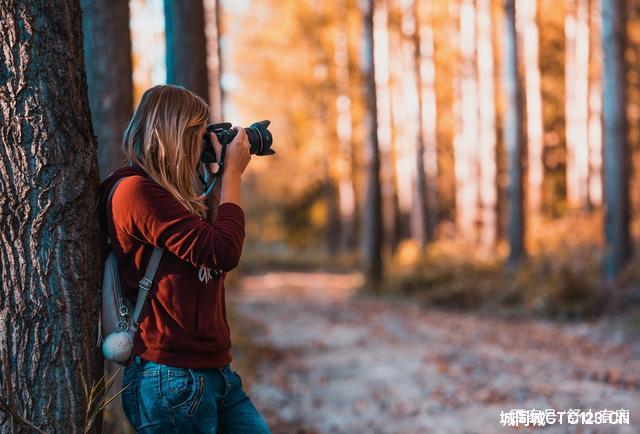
(260, 140)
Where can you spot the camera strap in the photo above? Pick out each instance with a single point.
(215, 179)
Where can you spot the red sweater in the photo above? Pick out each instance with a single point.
(184, 322)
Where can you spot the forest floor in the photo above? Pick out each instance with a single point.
(323, 358)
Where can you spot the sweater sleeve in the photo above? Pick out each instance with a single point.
(149, 213)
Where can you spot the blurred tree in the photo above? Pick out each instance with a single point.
(552, 78)
(107, 53)
(616, 152)
(594, 184)
(346, 179)
(372, 206)
(50, 238)
(213, 32)
(420, 44)
(186, 46)
(526, 15)
(466, 133)
(486, 144)
(445, 27)
(577, 101)
(513, 135)
(387, 149)
(404, 113)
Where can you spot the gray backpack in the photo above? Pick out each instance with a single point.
(115, 321)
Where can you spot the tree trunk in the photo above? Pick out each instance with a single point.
(346, 188)
(186, 46)
(487, 126)
(384, 122)
(50, 239)
(403, 97)
(527, 16)
(107, 49)
(424, 217)
(372, 209)
(513, 135)
(577, 101)
(213, 30)
(595, 106)
(466, 158)
(616, 152)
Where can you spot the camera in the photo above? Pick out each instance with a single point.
(260, 140)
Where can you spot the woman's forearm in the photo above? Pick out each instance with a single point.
(213, 201)
(231, 187)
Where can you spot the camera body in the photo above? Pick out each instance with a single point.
(260, 140)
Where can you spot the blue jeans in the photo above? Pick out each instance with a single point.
(163, 399)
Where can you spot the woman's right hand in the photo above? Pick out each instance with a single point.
(237, 156)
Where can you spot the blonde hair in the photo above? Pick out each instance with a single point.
(164, 137)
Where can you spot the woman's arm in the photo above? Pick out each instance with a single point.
(227, 188)
(149, 213)
(213, 200)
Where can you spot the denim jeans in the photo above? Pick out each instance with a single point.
(163, 399)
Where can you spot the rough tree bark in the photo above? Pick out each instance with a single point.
(616, 149)
(50, 238)
(186, 46)
(107, 49)
(513, 135)
(372, 206)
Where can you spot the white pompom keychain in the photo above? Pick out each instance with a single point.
(118, 346)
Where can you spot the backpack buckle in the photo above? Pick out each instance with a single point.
(145, 284)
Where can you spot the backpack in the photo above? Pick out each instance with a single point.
(115, 320)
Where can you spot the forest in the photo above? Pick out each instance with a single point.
(446, 232)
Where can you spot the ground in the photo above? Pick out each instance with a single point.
(325, 359)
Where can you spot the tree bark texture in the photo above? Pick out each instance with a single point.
(107, 48)
(186, 46)
(50, 239)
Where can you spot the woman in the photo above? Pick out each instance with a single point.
(179, 379)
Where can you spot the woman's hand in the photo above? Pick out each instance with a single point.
(238, 155)
(236, 161)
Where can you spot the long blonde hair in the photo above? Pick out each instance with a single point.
(164, 139)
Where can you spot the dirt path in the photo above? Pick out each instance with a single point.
(330, 362)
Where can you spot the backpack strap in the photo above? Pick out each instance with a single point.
(115, 184)
(144, 285)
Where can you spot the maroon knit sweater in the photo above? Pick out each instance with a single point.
(184, 322)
